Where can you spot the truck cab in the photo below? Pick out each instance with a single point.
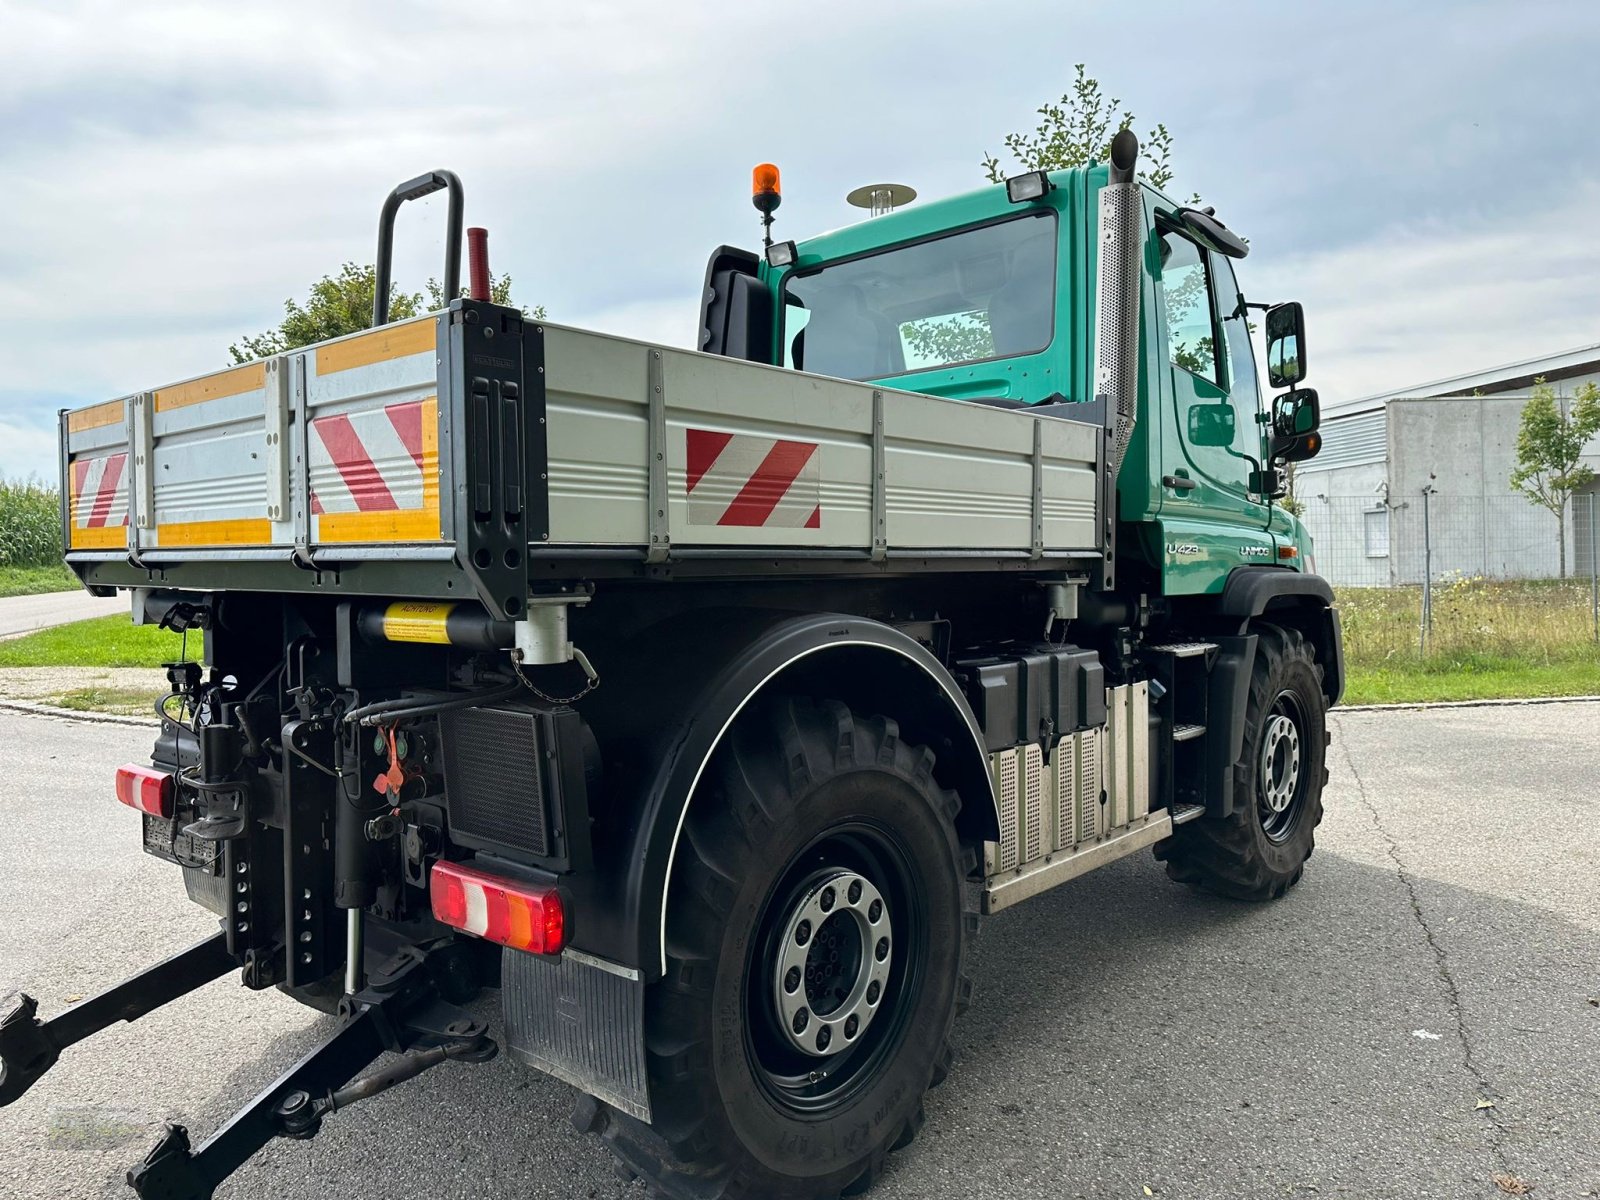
(989, 297)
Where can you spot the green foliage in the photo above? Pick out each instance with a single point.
(1550, 443)
(30, 524)
(1078, 128)
(342, 303)
(954, 338)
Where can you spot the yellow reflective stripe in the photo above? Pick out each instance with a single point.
(392, 341)
(251, 377)
(244, 531)
(109, 413)
(100, 537)
(409, 621)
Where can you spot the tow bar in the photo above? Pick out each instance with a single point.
(29, 1047)
(400, 1011)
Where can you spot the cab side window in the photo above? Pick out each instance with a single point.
(1187, 300)
(1244, 388)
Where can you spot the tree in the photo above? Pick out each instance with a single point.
(1550, 450)
(1080, 127)
(342, 303)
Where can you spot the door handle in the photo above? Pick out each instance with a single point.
(1178, 483)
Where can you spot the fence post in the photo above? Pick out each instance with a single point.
(1426, 625)
(1594, 566)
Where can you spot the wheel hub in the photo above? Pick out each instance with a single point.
(1280, 763)
(833, 963)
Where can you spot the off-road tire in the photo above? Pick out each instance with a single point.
(1233, 855)
(788, 777)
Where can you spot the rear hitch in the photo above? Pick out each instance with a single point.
(29, 1047)
(402, 1014)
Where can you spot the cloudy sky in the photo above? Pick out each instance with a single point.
(1425, 177)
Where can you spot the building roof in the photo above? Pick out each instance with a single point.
(1511, 377)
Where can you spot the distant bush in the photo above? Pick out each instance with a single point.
(30, 524)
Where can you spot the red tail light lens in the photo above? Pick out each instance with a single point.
(147, 790)
(514, 914)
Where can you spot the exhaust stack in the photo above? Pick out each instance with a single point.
(1116, 330)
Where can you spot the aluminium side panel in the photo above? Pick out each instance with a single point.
(97, 476)
(755, 457)
(373, 462)
(207, 479)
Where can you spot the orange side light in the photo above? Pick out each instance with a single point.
(1288, 552)
(765, 181)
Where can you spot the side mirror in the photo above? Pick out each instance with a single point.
(1286, 344)
(1296, 412)
(1295, 417)
(1211, 425)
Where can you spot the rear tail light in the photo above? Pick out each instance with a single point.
(519, 915)
(147, 790)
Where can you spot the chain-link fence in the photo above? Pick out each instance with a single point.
(1431, 575)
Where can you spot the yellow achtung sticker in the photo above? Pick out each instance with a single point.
(413, 622)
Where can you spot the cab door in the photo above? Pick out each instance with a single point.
(1210, 523)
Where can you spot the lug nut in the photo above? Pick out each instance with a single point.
(883, 949)
(851, 1026)
(855, 891)
(874, 911)
(873, 992)
(802, 933)
(824, 1036)
(791, 981)
(828, 898)
(801, 1020)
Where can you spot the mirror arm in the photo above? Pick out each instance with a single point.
(1244, 306)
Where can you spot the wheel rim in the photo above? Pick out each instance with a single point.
(1281, 782)
(834, 969)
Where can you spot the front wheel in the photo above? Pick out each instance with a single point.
(817, 937)
(1259, 851)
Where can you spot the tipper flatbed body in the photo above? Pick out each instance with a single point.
(703, 701)
(394, 453)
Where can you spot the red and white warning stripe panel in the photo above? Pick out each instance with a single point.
(375, 473)
(748, 481)
(98, 500)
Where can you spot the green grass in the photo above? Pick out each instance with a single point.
(1421, 683)
(1488, 640)
(32, 581)
(126, 701)
(102, 642)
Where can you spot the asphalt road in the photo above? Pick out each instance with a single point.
(1443, 952)
(24, 614)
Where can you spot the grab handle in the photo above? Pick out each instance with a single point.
(414, 189)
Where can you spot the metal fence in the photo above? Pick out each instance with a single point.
(1498, 565)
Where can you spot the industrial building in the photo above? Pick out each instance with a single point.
(1418, 479)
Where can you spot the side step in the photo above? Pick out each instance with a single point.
(1182, 814)
(1041, 876)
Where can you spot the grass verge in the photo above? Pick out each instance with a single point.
(34, 581)
(101, 642)
(127, 702)
(1416, 683)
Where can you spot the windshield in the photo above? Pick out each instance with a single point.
(965, 297)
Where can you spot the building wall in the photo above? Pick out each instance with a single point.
(1465, 449)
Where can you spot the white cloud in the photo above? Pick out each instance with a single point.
(1426, 300)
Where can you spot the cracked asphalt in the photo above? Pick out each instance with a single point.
(1415, 1020)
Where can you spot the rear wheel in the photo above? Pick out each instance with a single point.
(817, 941)
(1259, 851)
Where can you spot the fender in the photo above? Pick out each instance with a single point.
(676, 691)
(1292, 598)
